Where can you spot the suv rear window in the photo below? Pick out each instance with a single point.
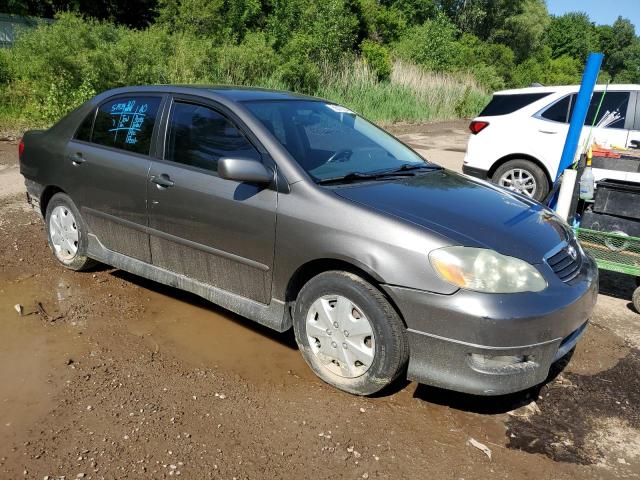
(126, 123)
(505, 104)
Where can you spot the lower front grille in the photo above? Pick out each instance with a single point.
(566, 262)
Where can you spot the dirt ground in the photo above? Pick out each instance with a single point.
(108, 375)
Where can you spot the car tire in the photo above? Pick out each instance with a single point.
(67, 233)
(370, 363)
(636, 299)
(527, 168)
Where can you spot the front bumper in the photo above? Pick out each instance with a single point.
(448, 333)
(475, 172)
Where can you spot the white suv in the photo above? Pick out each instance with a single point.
(517, 139)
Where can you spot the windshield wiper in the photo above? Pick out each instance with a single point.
(353, 176)
(406, 170)
(407, 167)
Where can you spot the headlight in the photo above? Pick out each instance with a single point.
(484, 270)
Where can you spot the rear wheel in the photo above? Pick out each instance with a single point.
(349, 334)
(522, 176)
(67, 233)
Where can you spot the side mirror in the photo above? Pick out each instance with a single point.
(244, 170)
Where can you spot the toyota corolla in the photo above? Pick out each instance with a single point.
(296, 212)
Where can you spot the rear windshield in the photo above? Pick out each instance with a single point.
(505, 104)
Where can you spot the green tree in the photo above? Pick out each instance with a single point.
(416, 12)
(138, 14)
(219, 20)
(523, 30)
(332, 27)
(381, 23)
(572, 34)
(616, 42)
(432, 45)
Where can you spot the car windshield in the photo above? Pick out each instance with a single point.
(332, 142)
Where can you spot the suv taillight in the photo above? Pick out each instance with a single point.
(21, 148)
(477, 126)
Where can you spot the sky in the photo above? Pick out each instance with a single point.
(601, 11)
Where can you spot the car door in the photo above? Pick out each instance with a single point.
(109, 158)
(219, 232)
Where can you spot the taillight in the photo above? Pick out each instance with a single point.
(477, 126)
(21, 148)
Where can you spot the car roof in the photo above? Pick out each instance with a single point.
(566, 89)
(228, 92)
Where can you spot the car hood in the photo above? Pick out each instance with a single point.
(466, 211)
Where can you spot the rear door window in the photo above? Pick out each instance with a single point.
(613, 111)
(559, 111)
(199, 136)
(505, 104)
(126, 123)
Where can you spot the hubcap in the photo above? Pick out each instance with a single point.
(340, 336)
(64, 233)
(519, 180)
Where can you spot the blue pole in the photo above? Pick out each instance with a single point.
(589, 78)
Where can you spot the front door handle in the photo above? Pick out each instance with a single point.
(162, 181)
(548, 132)
(77, 158)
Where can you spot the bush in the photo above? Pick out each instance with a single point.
(432, 45)
(72, 59)
(60, 99)
(248, 63)
(378, 58)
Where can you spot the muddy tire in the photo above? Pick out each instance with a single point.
(636, 299)
(67, 233)
(534, 181)
(349, 334)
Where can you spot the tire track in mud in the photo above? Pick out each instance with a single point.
(585, 419)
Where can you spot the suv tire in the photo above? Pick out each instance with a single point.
(513, 170)
(364, 361)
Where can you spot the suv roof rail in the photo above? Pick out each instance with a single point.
(536, 84)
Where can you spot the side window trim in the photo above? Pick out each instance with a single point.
(163, 135)
(94, 112)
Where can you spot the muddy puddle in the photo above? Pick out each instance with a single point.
(203, 334)
(586, 419)
(30, 344)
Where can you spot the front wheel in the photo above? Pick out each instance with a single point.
(349, 334)
(522, 176)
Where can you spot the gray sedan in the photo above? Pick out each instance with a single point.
(297, 213)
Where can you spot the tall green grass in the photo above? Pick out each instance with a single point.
(411, 95)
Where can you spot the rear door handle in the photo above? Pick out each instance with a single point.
(548, 132)
(77, 158)
(162, 181)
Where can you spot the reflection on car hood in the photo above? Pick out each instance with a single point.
(466, 211)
